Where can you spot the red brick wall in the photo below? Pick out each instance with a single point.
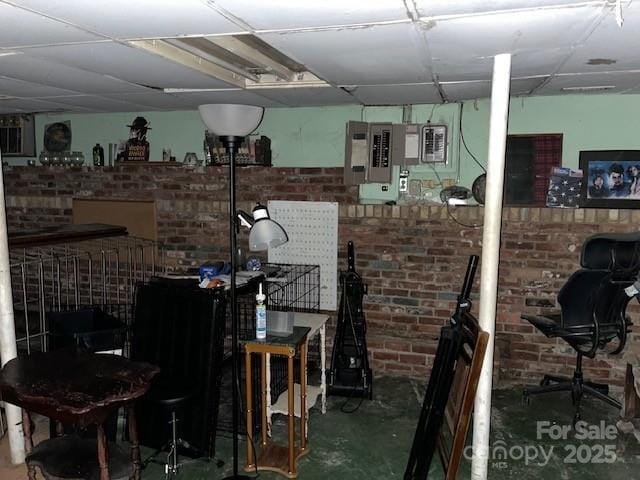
(412, 257)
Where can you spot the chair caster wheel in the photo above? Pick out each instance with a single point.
(576, 419)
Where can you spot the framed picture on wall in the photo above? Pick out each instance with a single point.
(610, 178)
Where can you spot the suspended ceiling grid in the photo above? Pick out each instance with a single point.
(75, 55)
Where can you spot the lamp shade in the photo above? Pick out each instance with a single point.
(227, 119)
(266, 234)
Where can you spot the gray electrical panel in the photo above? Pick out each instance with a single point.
(380, 152)
(434, 143)
(356, 153)
(372, 149)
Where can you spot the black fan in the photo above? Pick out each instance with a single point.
(57, 137)
(479, 187)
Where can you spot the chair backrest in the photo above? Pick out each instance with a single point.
(611, 251)
(582, 295)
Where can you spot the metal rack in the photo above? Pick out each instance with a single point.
(72, 274)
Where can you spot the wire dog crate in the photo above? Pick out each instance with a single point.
(292, 287)
(288, 287)
(75, 272)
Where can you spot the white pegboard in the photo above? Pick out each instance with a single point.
(312, 228)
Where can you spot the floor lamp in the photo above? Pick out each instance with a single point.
(231, 123)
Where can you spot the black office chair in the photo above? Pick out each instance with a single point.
(593, 305)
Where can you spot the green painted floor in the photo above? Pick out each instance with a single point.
(374, 441)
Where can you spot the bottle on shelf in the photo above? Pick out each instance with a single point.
(261, 314)
(98, 156)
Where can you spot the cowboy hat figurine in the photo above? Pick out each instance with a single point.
(137, 147)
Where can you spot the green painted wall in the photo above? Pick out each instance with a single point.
(314, 137)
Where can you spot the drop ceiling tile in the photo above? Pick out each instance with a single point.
(457, 91)
(129, 64)
(124, 19)
(463, 48)
(287, 14)
(384, 54)
(523, 64)
(21, 28)
(621, 81)
(397, 94)
(19, 88)
(8, 109)
(193, 99)
(430, 8)
(153, 100)
(609, 47)
(95, 104)
(308, 97)
(51, 73)
(33, 105)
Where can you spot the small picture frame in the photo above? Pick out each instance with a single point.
(610, 178)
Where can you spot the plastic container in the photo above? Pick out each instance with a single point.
(261, 315)
(87, 329)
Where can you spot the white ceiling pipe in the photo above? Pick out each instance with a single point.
(491, 257)
(8, 349)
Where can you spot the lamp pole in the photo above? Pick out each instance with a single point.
(231, 143)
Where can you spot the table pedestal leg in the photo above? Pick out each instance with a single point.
(135, 445)
(103, 454)
(28, 442)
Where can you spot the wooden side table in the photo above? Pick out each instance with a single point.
(75, 389)
(317, 323)
(277, 458)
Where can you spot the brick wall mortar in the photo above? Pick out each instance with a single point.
(413, 257)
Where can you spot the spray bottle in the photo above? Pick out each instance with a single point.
(261, 314)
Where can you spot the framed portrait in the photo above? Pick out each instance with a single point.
(610, 178)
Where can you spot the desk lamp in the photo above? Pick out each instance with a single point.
(231, 123)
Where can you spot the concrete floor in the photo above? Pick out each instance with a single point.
(374, 441)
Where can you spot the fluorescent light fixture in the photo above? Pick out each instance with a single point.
(196, 49)
(188, 59)
(253, 55)
(8, 54)
(588, 88)
(300, 80)
(243, 61)
(196, 90)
